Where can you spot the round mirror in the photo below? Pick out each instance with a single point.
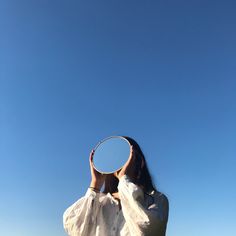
(111, 154)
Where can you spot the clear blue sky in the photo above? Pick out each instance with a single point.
(75, 72)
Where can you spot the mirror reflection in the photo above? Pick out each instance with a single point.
(111, 154)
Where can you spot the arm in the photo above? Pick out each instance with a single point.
(141, 219)
(80, 218)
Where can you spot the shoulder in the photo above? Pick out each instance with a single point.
(160, 197)
(162, 203)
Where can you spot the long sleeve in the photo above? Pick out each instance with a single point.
(79, 219)
(141, 219)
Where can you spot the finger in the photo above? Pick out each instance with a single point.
(132, 154)
(116, 173)
(129, 159)
(131, 151)
(91, 155)
(91, 161)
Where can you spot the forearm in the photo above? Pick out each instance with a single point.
(132, 200)
(81, 214)
(141, 218)
(96, 185)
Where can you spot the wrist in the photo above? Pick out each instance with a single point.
(120, 176)
(94, 189)
(96, 185)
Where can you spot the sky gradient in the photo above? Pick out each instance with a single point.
(75, 72)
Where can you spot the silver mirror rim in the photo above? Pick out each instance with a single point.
(102, 141)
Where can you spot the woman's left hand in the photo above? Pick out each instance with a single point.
(128, 169)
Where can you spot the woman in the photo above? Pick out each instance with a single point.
(128, 206)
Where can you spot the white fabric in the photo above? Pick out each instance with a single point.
(98, 214)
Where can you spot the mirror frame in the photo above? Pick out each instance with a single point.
(102, 141)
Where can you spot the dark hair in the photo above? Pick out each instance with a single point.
(141, 169)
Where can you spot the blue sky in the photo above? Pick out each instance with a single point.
(75, 72)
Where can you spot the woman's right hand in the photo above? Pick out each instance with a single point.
(97, 178)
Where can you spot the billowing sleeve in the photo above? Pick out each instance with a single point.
(140, 218)
(79, 219)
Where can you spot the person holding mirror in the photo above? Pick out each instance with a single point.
(129, 205)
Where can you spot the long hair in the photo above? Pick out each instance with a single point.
(141, 171)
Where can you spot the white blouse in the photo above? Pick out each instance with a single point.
(99, 214)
